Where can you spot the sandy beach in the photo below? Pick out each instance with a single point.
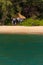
(21, 29)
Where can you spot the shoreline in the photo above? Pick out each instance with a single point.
(21, 29)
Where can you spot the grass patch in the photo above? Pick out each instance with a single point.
(32, 22)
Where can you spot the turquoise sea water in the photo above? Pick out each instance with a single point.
(21, 49)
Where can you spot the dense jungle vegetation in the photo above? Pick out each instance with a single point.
(31, 9)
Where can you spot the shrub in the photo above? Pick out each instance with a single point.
(30, 22)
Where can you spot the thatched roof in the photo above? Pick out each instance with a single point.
(21, 16)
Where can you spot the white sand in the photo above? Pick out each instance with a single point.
(21, 29)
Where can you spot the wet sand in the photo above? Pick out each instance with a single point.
(21, 29)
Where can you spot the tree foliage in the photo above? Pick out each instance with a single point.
(28, 8)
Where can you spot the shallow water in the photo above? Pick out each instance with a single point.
(21, 49)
